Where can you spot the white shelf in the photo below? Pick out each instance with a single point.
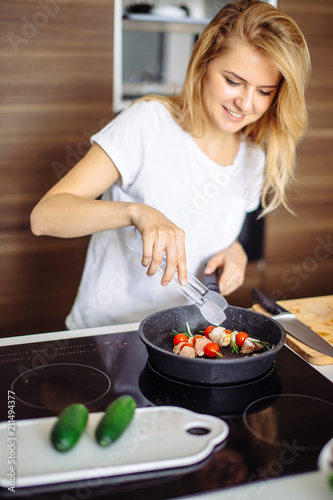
(165, 19)
(165, 26)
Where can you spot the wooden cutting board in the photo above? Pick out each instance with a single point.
(317, 313)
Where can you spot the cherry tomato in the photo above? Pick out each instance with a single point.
(180, 337)
(208, 329)
(227, 331)
(240, 338)
(212, 349)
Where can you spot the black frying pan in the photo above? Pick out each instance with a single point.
(156, 333)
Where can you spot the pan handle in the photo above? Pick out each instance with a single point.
(212, 281)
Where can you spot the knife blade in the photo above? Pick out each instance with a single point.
(292, 325)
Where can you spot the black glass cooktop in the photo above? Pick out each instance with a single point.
(278, 423)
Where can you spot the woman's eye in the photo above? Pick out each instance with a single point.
(267, 94)
(230, 82)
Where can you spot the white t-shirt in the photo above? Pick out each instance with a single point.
(162, 166)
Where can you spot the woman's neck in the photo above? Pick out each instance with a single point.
(220, 148)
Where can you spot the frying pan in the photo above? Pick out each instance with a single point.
(156, 333)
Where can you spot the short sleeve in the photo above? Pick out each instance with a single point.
(126, 138)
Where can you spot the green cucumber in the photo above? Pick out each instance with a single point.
(115, 420)
(69, 427)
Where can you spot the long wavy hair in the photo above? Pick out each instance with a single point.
(278, 131)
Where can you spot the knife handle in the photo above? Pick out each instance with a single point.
(212, 281)
(266, 302)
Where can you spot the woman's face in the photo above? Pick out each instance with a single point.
(238, 88)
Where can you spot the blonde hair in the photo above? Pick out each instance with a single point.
(278, 131)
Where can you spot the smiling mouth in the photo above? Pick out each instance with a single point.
(232, 113)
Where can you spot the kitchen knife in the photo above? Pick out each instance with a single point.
(292, 325)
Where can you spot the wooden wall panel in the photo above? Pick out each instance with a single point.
(39, 278)
(55, 91)
(305, 278)
(314, 179)
(290, 238)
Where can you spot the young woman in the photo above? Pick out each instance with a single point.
(185, 170)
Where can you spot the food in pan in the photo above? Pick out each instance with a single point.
(212, 350)
(220, 335)
(180, 337)
(200, 342)
(213, 338)
(185, 349)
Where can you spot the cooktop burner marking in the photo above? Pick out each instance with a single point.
(306, 423)
(57, 385)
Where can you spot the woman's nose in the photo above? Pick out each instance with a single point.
(245, 100)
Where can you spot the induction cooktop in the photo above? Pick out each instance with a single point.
(278, 423)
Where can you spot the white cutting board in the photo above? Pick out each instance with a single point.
(157, 438)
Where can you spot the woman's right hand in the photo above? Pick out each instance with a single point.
(159, 234)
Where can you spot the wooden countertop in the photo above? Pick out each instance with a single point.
(317, 313)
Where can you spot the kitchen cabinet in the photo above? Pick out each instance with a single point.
(151, 51)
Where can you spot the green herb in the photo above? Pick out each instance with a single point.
(235, 348)
(261, 343)
(186, 331)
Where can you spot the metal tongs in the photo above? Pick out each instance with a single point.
(210, 303)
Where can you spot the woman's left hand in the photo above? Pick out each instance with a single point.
(233, 261)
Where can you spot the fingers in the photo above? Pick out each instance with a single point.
(148, 246)
(159, 235)
(213, 264)
(233, 274)
(230, 284)
(232, 261)
(172, 242)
